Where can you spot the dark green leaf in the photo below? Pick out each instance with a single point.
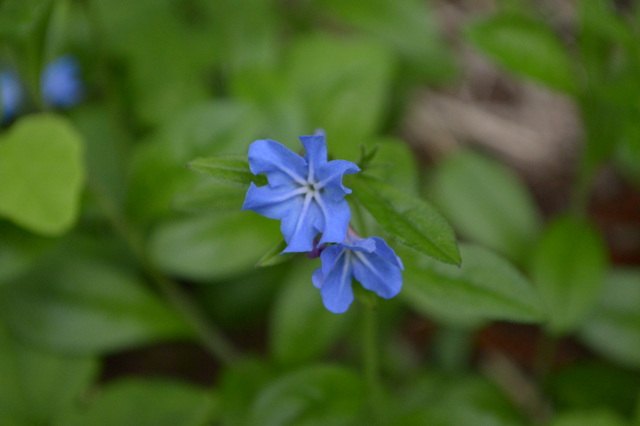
(614, 327)
(42, 174)
(238, 386)
(412, 220)
(299, 316)
(591, 417)
(145, 402)
(487, 203)
(568, 269)
(228, 169)
(485, 287)
(37, 387)
(525, 46)
(317, 395)
(74, 303)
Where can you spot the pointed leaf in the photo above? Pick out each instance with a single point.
(412, 220)
(228, 169)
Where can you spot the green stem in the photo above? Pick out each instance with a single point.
(371, 363)
(211, 337)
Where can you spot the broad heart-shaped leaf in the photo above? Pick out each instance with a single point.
(614, 327)
(227, 169)
(525, 46)
(144, 402)
(42, 174)
(301, 327)
(487, 203)
(317, 395)
(412, 220)
(485, 287)
(80, 304)
(36, 387)
(568, 269)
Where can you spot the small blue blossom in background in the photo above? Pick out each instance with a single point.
(369, 260)
(61, 84)
(305, 193)
(12, 95)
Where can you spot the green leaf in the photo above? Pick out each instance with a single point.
(525, 46)
(275, 256)
(568, 267)
(145, 402)
(317, 395)
(227, 169)
(486, 287)
(216, 246)
(19, 249)
(75, 303)
(209, 196)
(42, 174)
(591, 417)
(36, 387)
(412, 220)
(614, 327)
(299, 316)
(343, 84)
(487, 203)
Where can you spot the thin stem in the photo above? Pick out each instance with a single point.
(211, 337)
(371, 363)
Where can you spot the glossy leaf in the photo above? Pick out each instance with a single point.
(525, 46)
(42, 174)
(37, 387)
(487, 203)
(299, 316)
(412, 220)
(145, 402)
(81, 305)
(485, 287)
(614, 327)
(568, 267)
(317, 395)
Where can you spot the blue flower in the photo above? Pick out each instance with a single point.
(61, 84)
(305, 193)
(11, 94)
(369, 260)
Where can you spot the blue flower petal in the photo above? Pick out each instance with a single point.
(336, 217)
(274, 203)
(11, 95)
(61, 83)
(316, 152)
(377, 274)
(301, 225)
(330, 175)
(279, 163)
(336, 291)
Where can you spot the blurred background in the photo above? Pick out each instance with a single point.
(128, 287)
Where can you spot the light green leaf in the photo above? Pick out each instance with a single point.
(487, 203)
(591, 417)
(145, 402)
(525, 46)
(614, 327)
(36, 387)
(412, 220)
(216, 246)
(42, 174)
(73, 303)
(208, 195)
(275, 256)
(227, 169)
(568, 269)
(299, 316)
(317, 395)
(484, 288)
